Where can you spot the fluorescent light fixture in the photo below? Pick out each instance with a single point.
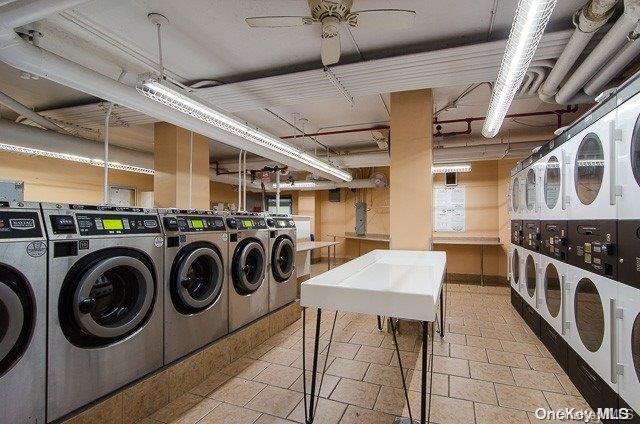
(528, 25)
(162, 93)
(454, 167)
(296, 184)
(73, 158)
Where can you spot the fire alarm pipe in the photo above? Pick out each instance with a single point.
(558, 113)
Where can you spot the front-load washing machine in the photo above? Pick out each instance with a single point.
(283, 285)
(591, 319)
(105, 301)
(628, 178)
(196, 301)
(248, 264)
(590, 146)
(23, 313)
(629, 346)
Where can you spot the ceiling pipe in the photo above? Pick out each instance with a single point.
(31, 137)
(20, 54)
(616, 65)
(587, 21)
(25, 12)
(25, 112)
(610, 44)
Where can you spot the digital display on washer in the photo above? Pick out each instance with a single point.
(197, 223)
(112, 224)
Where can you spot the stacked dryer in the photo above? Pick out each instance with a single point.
(283, 285)
(587, 276)
(23, 313)
(196, 302)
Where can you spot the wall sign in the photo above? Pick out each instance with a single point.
(449, 209)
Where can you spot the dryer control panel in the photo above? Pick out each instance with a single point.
(517, 234)
(593, 246)
(629, 252)
(554, 239)
(532, 236)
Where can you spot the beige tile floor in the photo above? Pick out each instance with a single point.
(489, 368)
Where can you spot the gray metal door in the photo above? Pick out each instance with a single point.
(198, 279)
(249, 264)
(283, 258)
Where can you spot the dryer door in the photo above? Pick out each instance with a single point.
(107, 297)
(248, 269)
(197, 278)
(283, 258)
(17, 314)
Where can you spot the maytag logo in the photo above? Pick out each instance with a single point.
(22, 224)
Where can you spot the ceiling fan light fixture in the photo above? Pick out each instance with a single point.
(161, 92)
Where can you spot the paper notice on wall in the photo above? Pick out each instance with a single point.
(449, 209)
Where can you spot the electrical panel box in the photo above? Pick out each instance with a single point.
(11, 191)
(361, 218)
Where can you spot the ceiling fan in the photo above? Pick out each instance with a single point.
(330, 14)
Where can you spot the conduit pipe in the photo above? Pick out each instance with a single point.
(616, 65)
(587, 21)
(107, 117)
(34, 117)
(611, 43)
(240, 181)
(31, 137)
(19, 54)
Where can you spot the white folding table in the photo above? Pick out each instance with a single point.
(395, 283)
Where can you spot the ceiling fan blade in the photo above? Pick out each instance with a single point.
(278, 21)
(382, 18)
(330, 50)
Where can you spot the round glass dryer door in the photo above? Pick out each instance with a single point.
(17, 314)
(635, 345)
(589, 168)
(530, 189)
(530, 275)
(552, 182)
(108, 298)
(515, 194)
(635, 151)
(283, 258)
(197, 279)
(589, 314)
(515, 266)
(248, 269)
(552, 291)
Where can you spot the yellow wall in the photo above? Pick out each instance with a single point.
(222, 193)
(486, 215)
(61, 181)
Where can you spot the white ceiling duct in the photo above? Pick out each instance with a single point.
(29, 137)
(488, 152)
(18, 53)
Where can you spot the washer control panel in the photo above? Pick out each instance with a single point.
(247, 222)
(200, 223)
(593, 246)
(90, 224)
(19, 225)
(280, 221)
(554, 239)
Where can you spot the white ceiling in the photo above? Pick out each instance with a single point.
(209, 40)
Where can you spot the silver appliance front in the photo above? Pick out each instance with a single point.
(248, 279)
(283, 276)
(23, 297)
(105, 314)
(196, 301)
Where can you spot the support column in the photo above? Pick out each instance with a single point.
(172, 163)
(411, 193)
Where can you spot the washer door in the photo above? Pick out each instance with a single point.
(197, 278)
(283, 258)
(17, 314)
(249, 263)
(107, 297)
